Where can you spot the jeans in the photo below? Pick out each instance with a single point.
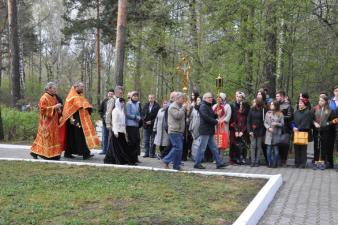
(175, 154)
(256, 149)
(105, 137)
(272, 153)
(149, 137)
(207, 140)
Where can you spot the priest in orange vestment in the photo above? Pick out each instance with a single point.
(48, 144)
(80, 132)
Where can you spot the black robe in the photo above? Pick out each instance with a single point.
(75, 139)
(119, 151)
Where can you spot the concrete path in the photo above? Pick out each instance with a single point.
(306, 197)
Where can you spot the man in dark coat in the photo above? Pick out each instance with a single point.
(208, 121)
(149, 113)
(105, 131)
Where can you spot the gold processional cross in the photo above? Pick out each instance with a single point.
(184, 68)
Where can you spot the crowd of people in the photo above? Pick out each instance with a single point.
(200, 128)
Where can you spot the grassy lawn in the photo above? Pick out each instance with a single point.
(40, 193)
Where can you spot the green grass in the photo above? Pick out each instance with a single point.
(40, 193)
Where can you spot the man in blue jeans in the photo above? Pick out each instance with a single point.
(176, 127)
(149, 113)
(208, 122)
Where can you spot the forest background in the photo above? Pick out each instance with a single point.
(277, 44)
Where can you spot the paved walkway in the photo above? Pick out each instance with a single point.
(306, 197)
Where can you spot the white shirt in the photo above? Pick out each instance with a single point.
(118, 120)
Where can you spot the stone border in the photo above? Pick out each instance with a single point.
(250, 216)
(10, 146)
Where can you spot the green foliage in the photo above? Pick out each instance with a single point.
(19, 126)
(22, 126)
(226, 37)
(61, 194)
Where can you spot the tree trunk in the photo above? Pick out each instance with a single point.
(269, 68)
(14, 51)
(279, 74)
(249, 52)
(247, 38)
(137, 78)
(98, 55)
(120, 41)
(195, 44)
(21, 53)
(40, 53)
(1, 52)
(21, 67)
(2, 136)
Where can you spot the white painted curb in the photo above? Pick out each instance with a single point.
(17, 147)
(257, 207)
(28, 147)
(250, 216)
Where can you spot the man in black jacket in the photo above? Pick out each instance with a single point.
(208, 121)
(149, 114)
(102, 111)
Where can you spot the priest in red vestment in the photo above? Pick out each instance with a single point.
(80, 132)
(48, 142)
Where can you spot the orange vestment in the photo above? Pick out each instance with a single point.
(48, 141)
(76, 102)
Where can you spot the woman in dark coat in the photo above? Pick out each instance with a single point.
(256, 129)
(302, 122)
(323, 117)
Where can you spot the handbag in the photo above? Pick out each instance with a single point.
(221, 140)
(301, 138)
(281, 140)
(221, 137)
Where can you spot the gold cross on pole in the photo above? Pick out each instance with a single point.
(184, 68)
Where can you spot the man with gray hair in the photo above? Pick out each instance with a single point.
(48, 144)
(111, 105)
(176, 127)
(208, 121)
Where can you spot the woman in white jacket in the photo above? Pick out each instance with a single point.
(118, 150)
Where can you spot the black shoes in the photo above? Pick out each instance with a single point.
(35, 156)
(199, 167)
(146, 156)
(69, 156)
(88, 156)
(221, 166)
